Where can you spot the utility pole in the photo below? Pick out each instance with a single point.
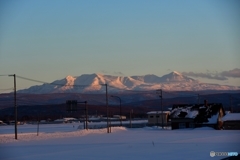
(159, 91)
(131, 118)
(86, 114)
(107, 108)
(15, 104)
(38, 124)
(110, 128)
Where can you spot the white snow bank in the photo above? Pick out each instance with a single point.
(122, 143)
(7, 138)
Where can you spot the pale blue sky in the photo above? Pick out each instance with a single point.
(48, 40)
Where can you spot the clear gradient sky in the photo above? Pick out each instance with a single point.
(48, 40)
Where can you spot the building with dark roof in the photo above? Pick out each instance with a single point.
(198, 115)
(231, 121)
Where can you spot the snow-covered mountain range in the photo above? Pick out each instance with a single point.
(95, 83)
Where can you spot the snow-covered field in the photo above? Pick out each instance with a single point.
(66, 141)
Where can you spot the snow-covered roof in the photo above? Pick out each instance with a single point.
(200, 113)
(188, 113)
(66, 119)
(212, 120)
(158, 112)
(192, 114)
(231, 117)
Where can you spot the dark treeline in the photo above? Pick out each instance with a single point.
(139, 108)
(52, 112)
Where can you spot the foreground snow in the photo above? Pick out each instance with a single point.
(50, 134)
(65, 141)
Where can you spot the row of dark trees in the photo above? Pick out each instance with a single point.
(52, 112)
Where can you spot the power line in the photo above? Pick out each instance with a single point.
(6, 89)
(57, 84)
(34, 102)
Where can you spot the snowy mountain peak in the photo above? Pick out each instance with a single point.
(173, 81)
(176, 77)
(70, 80)
(98, 74)
(69, 77)
(176, 73)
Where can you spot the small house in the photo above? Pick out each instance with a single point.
(157, 117)
(231, 121)
(191, 116)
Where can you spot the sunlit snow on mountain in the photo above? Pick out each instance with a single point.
(95, 83)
